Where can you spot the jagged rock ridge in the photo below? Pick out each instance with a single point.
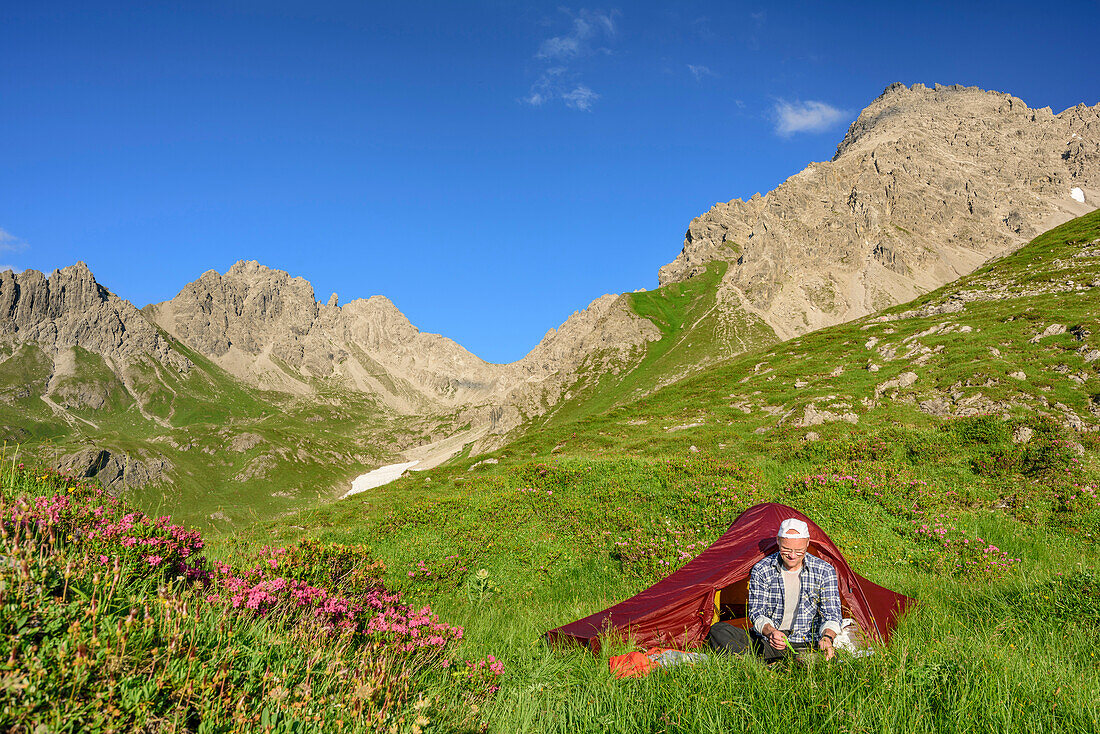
(928, 184)
(267, 328)
(69, 308)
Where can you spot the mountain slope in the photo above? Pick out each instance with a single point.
(948, 446)
(244, 389)
(927, 185)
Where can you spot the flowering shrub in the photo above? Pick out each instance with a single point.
(895, 492)
(1045, 457)
(104, 529)
(113, 618)
(476, 677)
(446, 574)
(656, 552)
(959, 553)
(1078, 498)
(846, 449)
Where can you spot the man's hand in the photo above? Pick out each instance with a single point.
(777, 639)
(826, 645)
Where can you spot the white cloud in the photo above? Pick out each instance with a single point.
(558, 47)
(580, 98)
(805, 117)
(588, 29)
(699, 71)
(11, 243)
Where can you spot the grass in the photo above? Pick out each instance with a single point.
(585, 512)
(626, 484)
(986, 643)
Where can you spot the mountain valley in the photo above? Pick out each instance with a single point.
(246, 397)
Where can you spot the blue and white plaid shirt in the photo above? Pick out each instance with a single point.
(818, 604)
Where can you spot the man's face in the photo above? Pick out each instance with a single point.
(791, 551)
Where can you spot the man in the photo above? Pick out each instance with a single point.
(793, 597)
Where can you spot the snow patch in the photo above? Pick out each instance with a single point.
(1077, 194)
(378, 477)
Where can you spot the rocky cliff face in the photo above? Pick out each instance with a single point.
(267, 328)
(69, 308)
(927, 185)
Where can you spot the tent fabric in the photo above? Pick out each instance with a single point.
(679, 610)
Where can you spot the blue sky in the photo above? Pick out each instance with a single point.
(491, 167)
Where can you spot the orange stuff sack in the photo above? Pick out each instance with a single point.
(635, 664)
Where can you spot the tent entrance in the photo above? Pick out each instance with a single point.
(731, 604)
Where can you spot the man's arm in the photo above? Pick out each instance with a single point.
(830, 603)
(758, 602)
(830, 612)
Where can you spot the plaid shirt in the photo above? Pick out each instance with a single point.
(819, 602)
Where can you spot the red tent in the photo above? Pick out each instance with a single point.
(679, 610)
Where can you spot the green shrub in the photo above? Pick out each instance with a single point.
(929, 446)
(1047, 457)
(1071, 598)
(845, 449)
(981, 429)
(1000, 462)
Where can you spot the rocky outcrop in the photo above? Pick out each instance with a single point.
(115, 470)
(69, 308)
(928, 184)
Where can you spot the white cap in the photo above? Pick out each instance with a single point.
(793, 528)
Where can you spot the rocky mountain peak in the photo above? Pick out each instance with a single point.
(927, 184)
(934, 111)
(69, 308)
(251, 307)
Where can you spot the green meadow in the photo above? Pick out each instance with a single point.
(933, 442)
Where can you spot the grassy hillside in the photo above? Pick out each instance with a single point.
(114, 622)
(583, 513)
(220, 453)
(696, 330)
(946, 446)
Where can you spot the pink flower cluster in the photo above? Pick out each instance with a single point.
(378, 614)
(132, 536)
(411, 629)
(1082, 498)
(100, 525)
(970, 554)
(481, 673)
